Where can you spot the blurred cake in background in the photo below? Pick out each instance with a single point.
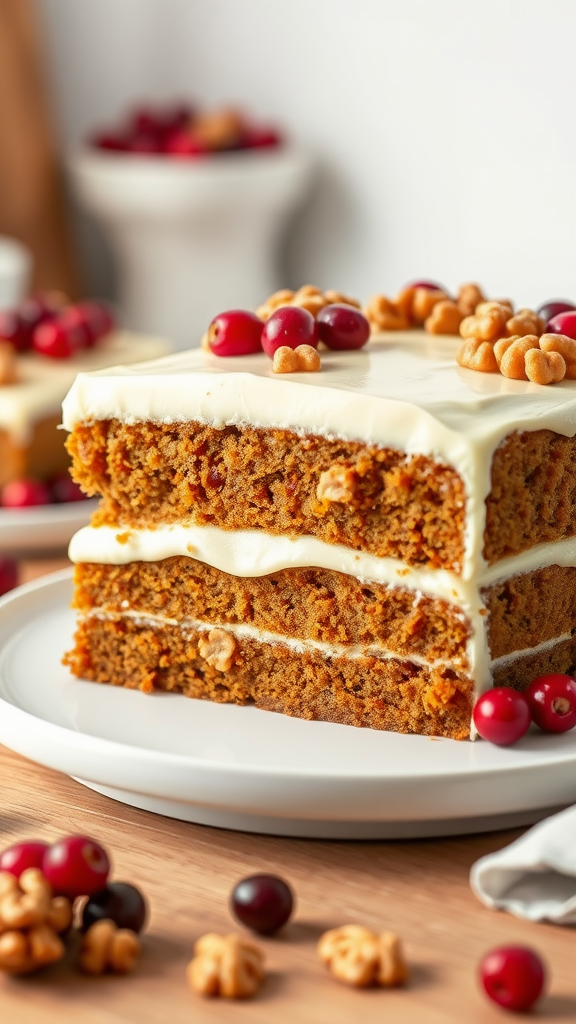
(44, 343)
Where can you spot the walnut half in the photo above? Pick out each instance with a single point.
(218, 648)
(226, 965)
(359, 957)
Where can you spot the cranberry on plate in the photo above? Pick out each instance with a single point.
(342, 327)
(552, 702)
(513, 977)
(563, 323)
(236, 332)
(291, 326)
(262, 902)
(502, 715)
(550, 309)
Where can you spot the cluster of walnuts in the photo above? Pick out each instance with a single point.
(34, 923)
(233, 967)
(307, 297)
(417, 306)
(497, 340)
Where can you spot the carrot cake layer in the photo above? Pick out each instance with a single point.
(375, 543)
(391, 693)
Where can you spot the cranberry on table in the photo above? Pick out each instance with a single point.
(342, 327)
(24, 493)
(8, 575)
(291, 326)
(502, 715)
(262, 902)
(552, 702)
(119, 902)
(550, 309)
(21, 856)
(513, 977)
(76, 866)
(236, 332)
(563, 323)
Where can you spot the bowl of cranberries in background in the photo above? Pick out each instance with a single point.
(195, 205)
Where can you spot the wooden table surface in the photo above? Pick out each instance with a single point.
(418, 889)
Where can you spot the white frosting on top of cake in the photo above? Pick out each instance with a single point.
(42, 383)
(403, 390)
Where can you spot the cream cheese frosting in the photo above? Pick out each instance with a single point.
(403, 390)
(42, 383)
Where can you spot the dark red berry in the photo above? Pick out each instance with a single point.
(552, 702)
(342, 327)
(98, 319)
(548, 310)
(260, 138)
(513, 977)
(21, 856)
(262, 902)
(109, 141)
(24, 494)
(236, 332)
(502, 716)
(430, 286)
(64, 489)
(291, 326)
(120, 902)
(61, 337)
(563, 323)
(8, 575)
(76, 866)
(14, 330)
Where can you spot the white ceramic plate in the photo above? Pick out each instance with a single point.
(238, 767)
(42, 527)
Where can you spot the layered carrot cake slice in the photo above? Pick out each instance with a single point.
(375, 543)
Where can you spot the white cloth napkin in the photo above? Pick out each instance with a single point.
(534, 877)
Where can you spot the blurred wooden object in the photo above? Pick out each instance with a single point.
(31, 195)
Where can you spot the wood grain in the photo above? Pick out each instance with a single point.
(419, 889)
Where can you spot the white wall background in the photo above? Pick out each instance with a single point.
(444, 129)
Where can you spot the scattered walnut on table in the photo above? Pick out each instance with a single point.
(226, 965)
(30, 920)
(359, 957)
(105, 947)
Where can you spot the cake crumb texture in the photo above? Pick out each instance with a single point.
(387, 694)
(306, 604)
(400, 506)
(533, 495)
